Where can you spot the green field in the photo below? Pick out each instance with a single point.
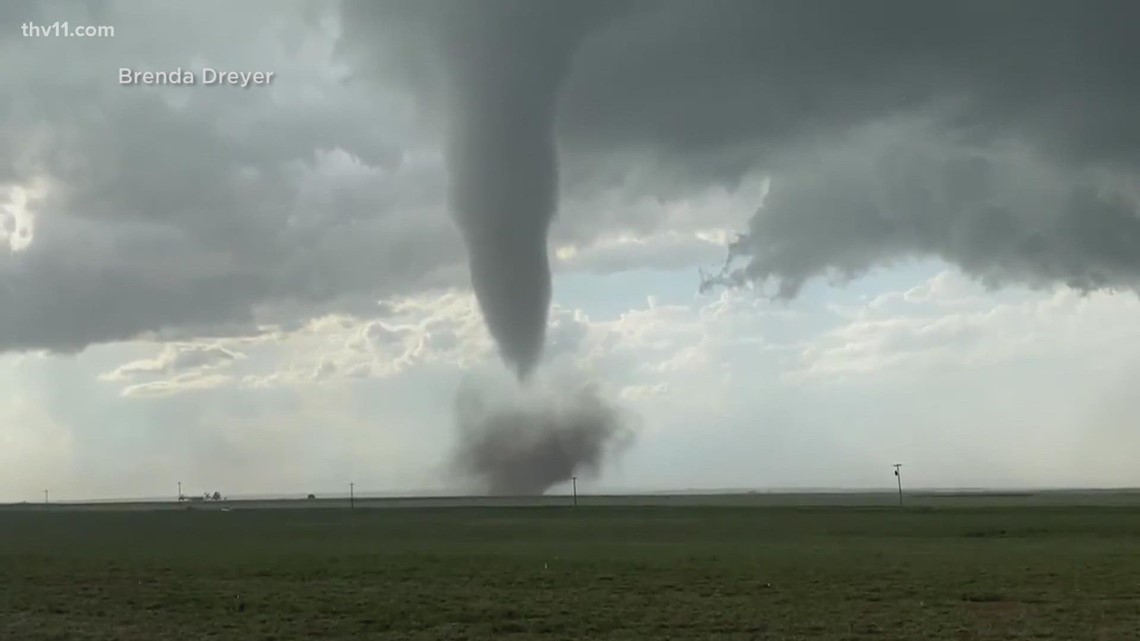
(966, 568)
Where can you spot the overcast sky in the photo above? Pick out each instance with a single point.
(930, 212)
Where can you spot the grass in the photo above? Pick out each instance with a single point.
(662, 572)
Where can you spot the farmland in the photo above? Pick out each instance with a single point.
(1057, 566)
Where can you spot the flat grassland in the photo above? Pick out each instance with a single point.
(944, 568)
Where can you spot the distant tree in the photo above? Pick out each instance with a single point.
(312, 496)
(217, 495)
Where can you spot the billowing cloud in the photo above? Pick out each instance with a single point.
(889, 193)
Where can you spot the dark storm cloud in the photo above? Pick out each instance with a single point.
(891, 193)
(724, 80)
(709, 92)
(824, 96)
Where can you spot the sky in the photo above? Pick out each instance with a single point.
(790, 244)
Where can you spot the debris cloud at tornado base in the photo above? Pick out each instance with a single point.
(522, 441)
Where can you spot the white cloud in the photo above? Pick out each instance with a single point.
(17, 222)
(176, 358)
(176, 385)
(948, 323)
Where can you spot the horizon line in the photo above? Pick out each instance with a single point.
(458, 494)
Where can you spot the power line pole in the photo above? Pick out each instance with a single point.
(574, 480)
(180, 490)
(352, 496)
(45, 496)
(898, 477)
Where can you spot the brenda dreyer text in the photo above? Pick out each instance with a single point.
(207, 76)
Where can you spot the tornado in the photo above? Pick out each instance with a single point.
(498, 66)
(508, 61)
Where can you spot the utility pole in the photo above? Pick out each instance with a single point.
(45, 496)
(180, 490)
(898, 477)
(352, 496)
(574, 480)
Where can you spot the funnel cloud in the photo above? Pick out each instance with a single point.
(503, 67)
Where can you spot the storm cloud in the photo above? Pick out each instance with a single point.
(1000, 137)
